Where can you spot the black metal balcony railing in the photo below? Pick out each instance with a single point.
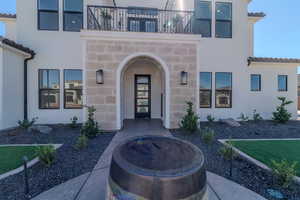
(107, 18)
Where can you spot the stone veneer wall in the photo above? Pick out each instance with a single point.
(107, 55)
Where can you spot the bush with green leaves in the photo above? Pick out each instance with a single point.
(256, 116)
(26, 124)
(208, 135)
(46, 154)
(210, 118)
(281, 115)
(74, 122)
(90, 127)
(284, 172)
(228, 154)
(243, 117)
(190, 120)
(82, 142)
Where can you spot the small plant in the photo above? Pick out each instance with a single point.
(210, 118)
(26, 124)
(284, 171)
(243, 117)
(208, 135)
(82, 142)
(256, 116)
(46, 154)
(74, 122)
(90, 127)
(281, 115)
(228, 154)
(190, 120)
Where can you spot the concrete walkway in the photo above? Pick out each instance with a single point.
(92, 185)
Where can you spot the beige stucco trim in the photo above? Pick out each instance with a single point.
(138, 36)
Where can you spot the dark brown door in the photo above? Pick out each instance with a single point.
(142, 96)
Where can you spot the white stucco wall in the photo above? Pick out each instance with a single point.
(139, 68)
(55, 50)
(12, 93)
(1, 88)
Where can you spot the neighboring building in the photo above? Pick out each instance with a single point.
(150, 57)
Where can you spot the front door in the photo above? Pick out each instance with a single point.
(142, 96)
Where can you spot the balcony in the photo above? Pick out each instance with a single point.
(133, 19)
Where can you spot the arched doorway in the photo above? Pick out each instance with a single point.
(142, 89)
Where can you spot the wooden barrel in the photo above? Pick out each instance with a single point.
(157, 168)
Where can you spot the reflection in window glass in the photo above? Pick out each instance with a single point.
(255, 82)
(223, 20)
(282, 83)
(48, 15)
(223, 93)
(73, 15)
(203, 18)
(49, 89)
(73, 89)
(48, 5)
(205, 89)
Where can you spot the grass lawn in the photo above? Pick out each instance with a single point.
(267, 150)
(11, 156)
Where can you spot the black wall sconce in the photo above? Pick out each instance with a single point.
(184, 78)
(99, 76)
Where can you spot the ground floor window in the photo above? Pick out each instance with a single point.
(223, 93)
(255, 82)
(49, 89)
(72, 89)
(205, 89)
(282, 83)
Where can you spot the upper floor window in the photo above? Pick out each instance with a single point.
(255, 82)
(73, 15)
(223, 20)
(282, 83)
(205, 89)
(49, 89)
(48, 15)
(223, 90)
(73, 88)
(202, 24)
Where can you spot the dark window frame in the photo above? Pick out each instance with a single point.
(222, 90)
(47, 11)
(259, 90)
(223, 20)
(65, 90)
(206, 19)
(142, 24)
(206, 90)
(286, 83)
(72, 12)
(48, 89)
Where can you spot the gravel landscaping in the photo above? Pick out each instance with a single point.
(69, 162)
(244, 172)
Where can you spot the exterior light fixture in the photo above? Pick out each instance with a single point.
(99, 76)
(184, 78)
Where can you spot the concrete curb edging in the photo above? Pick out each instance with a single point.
(253, 160)
(30, 163)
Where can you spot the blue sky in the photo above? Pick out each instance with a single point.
(278, 35)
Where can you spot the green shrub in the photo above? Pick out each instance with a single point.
(256, 116)
(210, 118)
(227, 151)
(190, 120)
(90, 127)
(46, 154)
(26, 124)
(243, 117)
(208, 135)
(281, 115)
(82, 142)
(74, 122)
(284, 172)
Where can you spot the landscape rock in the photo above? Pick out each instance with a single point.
(231, 122)
(41, 129)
